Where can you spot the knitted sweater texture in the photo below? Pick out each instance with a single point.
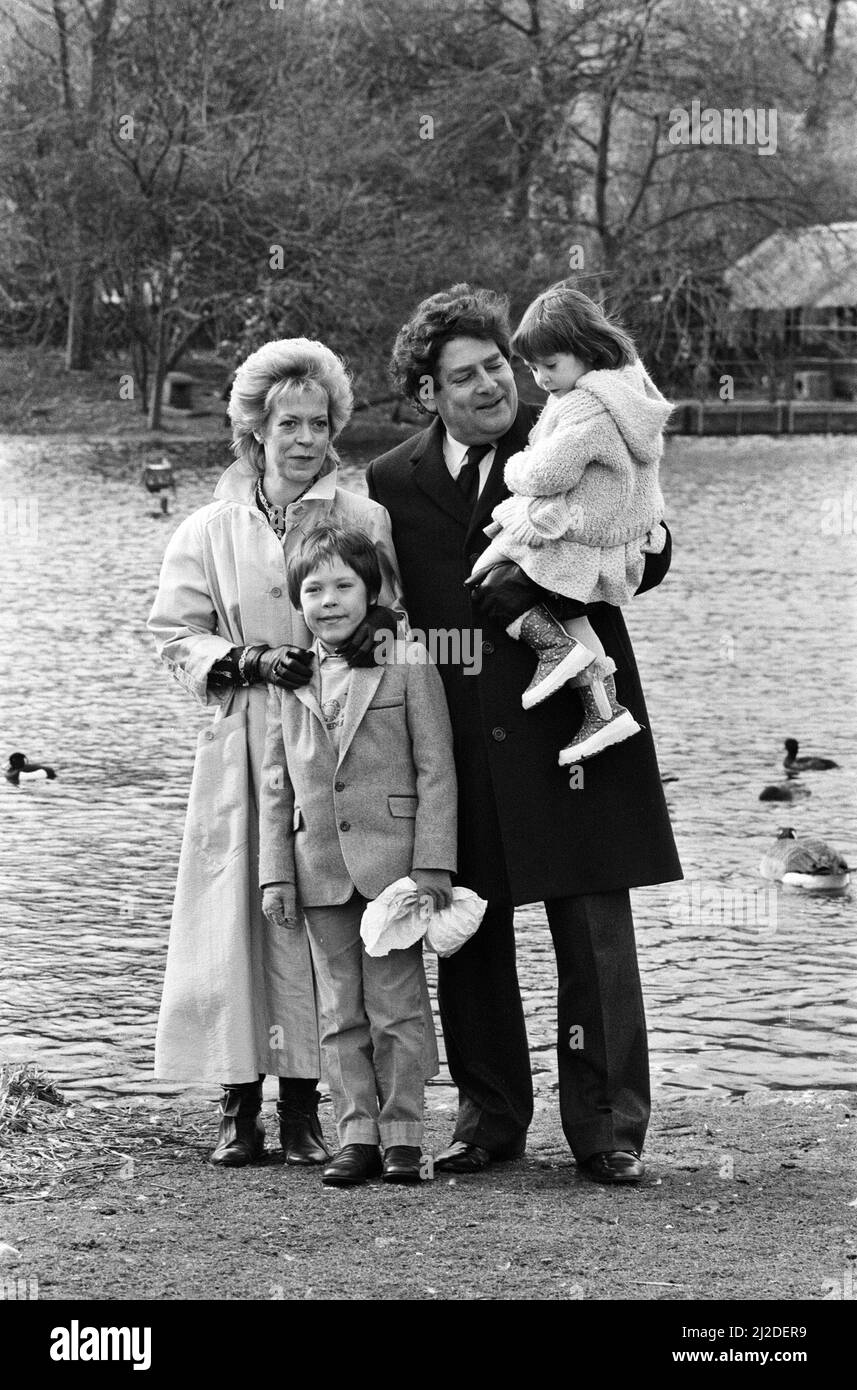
(588, 481)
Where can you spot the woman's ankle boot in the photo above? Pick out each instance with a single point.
(300, 1128)
(241, 1138)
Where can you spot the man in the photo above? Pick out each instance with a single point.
(526, 831)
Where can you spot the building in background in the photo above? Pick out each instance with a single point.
(793, 302)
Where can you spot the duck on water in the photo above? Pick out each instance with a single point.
(792, 763)
(20, 769)
(790, 790)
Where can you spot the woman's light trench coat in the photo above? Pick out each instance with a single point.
(239, 996)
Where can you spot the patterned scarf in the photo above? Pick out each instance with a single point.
(274, 515)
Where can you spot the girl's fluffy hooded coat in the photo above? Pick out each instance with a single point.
(586, 500)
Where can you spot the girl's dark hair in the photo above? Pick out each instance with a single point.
(326, 543)
(459, 312)
(564, 319)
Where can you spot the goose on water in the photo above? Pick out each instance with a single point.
(20, 769)
(792, 763)
(804, 863)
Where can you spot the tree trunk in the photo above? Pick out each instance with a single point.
(160, 370)
(78, 345)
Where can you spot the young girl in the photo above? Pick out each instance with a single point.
(358, 790)
(586, 501)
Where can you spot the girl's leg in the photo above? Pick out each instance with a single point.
(582, 631)
(346, 1042)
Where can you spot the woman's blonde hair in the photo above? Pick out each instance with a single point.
(285, 362)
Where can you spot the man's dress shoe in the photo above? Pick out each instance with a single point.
(470, 1158)
(401, 1163)
(353, 1164)
(616, 1165)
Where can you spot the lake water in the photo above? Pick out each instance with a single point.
(750, 640)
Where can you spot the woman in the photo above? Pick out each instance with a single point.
(239, 997)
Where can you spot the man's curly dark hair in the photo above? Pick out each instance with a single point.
(459, 312)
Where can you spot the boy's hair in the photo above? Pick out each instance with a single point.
(327, 543)
(564, 319)
(459, 312)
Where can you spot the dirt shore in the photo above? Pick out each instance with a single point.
(749, 1199)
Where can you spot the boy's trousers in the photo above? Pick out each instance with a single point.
(372, 1029)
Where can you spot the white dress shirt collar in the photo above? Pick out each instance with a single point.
(454, 453)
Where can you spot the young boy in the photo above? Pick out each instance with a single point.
(358, 789)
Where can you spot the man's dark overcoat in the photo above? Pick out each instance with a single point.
(524, 834)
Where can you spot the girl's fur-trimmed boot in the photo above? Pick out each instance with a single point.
(241, 1138)
(560, 656)
(605, 722)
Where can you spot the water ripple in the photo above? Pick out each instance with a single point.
(750, 640)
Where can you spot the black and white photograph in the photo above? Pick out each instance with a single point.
(428, 540)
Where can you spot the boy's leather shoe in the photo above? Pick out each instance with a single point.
(401, 1163)
(353, 1164)
(615, 1165)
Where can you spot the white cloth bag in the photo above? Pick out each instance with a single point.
(395, 920)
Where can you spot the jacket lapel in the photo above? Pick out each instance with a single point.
(432, 476)
(310, 694)
(364, 682)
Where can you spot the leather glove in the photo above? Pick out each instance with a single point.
(223, 675)
(285, 666)
(504, 592)
(359, 650)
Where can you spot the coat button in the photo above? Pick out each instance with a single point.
(487, 648)
(345, 825)
(209, 736)
(276, 593)
(339, 786)
(498, 733)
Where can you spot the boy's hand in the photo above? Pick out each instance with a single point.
(280, 904)
(434, 887)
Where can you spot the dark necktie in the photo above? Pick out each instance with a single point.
(468, 477)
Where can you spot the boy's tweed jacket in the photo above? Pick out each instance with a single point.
(385, 804)
(587, 501)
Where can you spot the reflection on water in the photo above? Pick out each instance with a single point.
(750, 640)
